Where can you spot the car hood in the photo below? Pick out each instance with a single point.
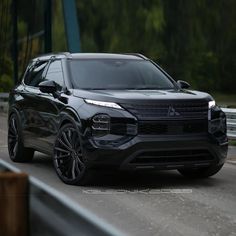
(140, 96)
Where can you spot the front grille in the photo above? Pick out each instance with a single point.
(169, 110)
(123, 126)
(173, 157)
(172, 127)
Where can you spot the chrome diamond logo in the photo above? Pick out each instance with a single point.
(172, 112)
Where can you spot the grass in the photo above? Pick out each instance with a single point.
(232, 142)
(225, 100)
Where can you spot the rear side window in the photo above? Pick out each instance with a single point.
(54, 73)
(34, 74)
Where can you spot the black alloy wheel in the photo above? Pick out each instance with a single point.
(16, 149)
(12, 137)
(68, 158)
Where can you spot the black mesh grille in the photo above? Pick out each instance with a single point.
(172, 127)
(175, 156)
(169, 110)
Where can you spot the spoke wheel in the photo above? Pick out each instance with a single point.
(68, 157)
(13, 137)
(16, 149)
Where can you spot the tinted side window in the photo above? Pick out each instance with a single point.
(55, 73)
(34, 74)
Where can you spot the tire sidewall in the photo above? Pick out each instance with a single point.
(20, 143)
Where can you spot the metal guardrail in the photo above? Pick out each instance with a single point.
(54, 214)
(4, 101)
(4, 96)
(231, 122)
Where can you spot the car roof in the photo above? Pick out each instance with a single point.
(129, 56)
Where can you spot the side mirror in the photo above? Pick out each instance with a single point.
(48, 86)
(183, 84)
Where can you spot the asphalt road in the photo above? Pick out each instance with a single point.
(157, 203)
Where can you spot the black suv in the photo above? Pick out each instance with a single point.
(113, 110)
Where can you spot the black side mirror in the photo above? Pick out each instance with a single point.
(183, 84)
(48, 86)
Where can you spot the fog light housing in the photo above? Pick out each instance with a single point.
(100, 125)
(218, 126)
(214, 126)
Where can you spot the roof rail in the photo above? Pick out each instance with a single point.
(55, 55)
(50, 55)
(67, 54)
(137, 55)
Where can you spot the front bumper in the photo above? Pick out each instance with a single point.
(160, 152)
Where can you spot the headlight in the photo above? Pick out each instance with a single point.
(103, 104)
(211, 104)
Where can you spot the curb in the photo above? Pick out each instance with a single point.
(231, 162)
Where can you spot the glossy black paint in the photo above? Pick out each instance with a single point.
(42, 114)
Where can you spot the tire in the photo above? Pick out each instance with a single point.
(68, 159)
(16, 149)
(203, 172)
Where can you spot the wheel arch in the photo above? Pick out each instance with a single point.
(69, 115)
(13, 110)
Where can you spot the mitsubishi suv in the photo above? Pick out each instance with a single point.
(121, 111)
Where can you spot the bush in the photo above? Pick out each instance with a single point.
(6, 83)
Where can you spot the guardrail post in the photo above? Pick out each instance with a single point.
(14, 212)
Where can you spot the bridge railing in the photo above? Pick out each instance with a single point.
(52, 213)
(4, 102)
(231, 122)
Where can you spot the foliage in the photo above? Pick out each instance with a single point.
(58, 29)
(6, 83)
(192, 40)
(5, 62)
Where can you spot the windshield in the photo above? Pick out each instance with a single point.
(117, 74)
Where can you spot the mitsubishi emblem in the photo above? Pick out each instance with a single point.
(172, 112)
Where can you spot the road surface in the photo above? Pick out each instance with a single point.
(157, 203)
